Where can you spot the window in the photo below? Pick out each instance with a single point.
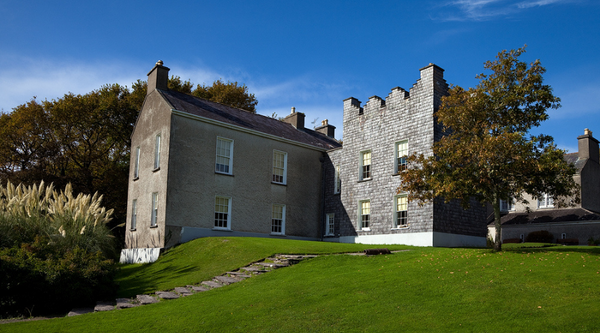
(223, 213)
(401, 153)
(224, 156)
(154, 215)
(157, 152)
(330, 227)
(279, 167)
(545, 201)
(338, 182)
(136, 164)
(278, 219)
(365, 165)
(507, 205)
(401, 204)
(133, 214)
(364, 214)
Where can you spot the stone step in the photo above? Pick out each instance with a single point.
(79, 311)
(198, 288)
(226, 280)
(239, 275)
(104, 306)
(211, 284)
(253, 269)
(183, 291)
(167, 295)
(146, 299)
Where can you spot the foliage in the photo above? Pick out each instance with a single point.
(229, 93)
(34, 280)
(53, 250)
(487, 153)
(204, 258)
(423, 289)
(59, 218)
(541, 236)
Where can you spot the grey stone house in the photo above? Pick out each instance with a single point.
(581, 221)
(201, 169)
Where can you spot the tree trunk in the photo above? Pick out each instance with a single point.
(497, 225)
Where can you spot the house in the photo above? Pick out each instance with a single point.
(201, 169)
(580, 221)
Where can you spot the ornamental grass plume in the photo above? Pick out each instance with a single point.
(67, 221)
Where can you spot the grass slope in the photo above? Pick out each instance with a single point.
(424, 289)
(205, 258)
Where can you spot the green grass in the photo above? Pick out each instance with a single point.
(423, 290)
(205, 258)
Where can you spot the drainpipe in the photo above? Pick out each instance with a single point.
(323, 220)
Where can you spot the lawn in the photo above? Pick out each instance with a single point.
(422, 289)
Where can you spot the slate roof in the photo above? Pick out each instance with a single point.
(549, 216)
(574, 159)
(234, 116)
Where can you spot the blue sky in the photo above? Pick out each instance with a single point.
(307, 54)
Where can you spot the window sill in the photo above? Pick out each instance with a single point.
(275, 183)
(221, 229)
(223, 173)
(133, 229)
(402, 227)
(277, 234)
(157, 169)
(136, 178)
(365, 180)
(153, 226)
(337, 193)
(365, 229)
(328, 236)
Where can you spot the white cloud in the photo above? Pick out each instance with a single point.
(481, 10)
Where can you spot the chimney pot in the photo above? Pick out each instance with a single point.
(587, 132)
(293, 110)
(160, 62)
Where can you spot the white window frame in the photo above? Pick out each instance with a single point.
(154, 213)
(337, 186)
(362, 171)
(224, 158)
(133, 214)
(227, 220)
(136, 163)
(545, 201)
(157, 152)
(277, 168)
(400, 160)
(397, 211)
(360, 212)
(330, 224)
(275, 228)
(507, 205)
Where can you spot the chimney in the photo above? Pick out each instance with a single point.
(588, 146)
(158, 77)
(296, 119)
(326, 129)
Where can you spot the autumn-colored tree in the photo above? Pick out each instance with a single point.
(488, 153)
(229, 93)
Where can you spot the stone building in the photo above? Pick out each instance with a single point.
(200, 169)
(580, 221)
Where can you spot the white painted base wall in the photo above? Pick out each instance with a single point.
(439, 239)
(139, 256)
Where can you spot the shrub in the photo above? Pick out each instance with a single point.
(511, 240)
(542, 236)
(55, 250)
(568, 241)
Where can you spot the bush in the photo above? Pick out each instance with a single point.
(542, 236)
(512, 240)
(55, 251)
(33, 285)
(568, 241)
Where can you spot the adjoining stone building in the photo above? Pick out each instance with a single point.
(201, 169)
(580, 221)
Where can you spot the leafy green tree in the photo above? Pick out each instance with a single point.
(229, 93)
(487, 153)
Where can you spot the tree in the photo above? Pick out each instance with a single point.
(229, 93)
(487, 153)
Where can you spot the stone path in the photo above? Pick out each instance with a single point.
(228, 278)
